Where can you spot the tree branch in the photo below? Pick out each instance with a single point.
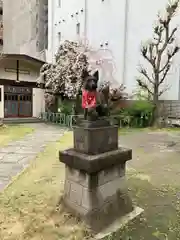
(164, 67)
(164, 75)
(144, 86)
(144, 73)
(167, 66)
(163, 91)
(168, 38)
(144, 51)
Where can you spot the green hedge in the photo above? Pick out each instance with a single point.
(137, 114)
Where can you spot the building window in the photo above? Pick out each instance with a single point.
(59, 3)
(59, 37)
(78, 29)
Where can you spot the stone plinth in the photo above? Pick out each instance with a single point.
(95, 163)
(95, 140)
(95, 184)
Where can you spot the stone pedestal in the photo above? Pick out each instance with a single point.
(95, 184)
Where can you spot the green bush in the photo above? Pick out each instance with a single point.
(66, 107)
(141, 111)
(138, 114)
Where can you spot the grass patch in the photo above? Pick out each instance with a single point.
(10, 133)
(29, 208)
(161, 218)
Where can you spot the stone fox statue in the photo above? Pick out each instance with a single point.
(91, 99)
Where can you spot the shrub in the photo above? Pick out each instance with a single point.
(66, 107)
(141, 112)
(136, 114)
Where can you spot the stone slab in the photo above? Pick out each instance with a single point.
(118, 224)
(8, 170)
(94, 163)
(94, 180)
(98, 219)
(95, 140)
(10, 149)
(17, 155)
(94, 124)
(12, 158)
(3, 183)
(98, 198)
(2, 155)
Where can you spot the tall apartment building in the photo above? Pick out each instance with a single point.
(24, 43)
(1, 25)
(115, 30)
(26, 27)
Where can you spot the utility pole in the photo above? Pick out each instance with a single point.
(53, 28)
(125, 44)
(85, 21)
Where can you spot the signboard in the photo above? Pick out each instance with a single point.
(17, 90)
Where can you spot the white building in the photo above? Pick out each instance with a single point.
(115, 30)
(19, 95)
(23, 41)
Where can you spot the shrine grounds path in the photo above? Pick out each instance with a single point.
(17, 155)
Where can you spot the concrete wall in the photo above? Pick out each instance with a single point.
(42, 25)
(106, 21)
(170, 109)
(8, 71)
(24, 23)
(2, 102)
(38, 94)
(38, 102)
(60, 20)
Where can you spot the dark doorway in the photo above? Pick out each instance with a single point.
(17, 102)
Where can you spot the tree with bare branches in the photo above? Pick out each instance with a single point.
(159, 53)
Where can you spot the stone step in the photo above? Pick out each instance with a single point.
(21, 120)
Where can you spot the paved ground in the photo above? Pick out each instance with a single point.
(17, 155)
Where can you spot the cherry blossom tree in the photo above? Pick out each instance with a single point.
(65, 77)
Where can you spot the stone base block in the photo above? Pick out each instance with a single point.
(118, 224)
(95, 140)
(94, 163)
(97, 198)
(95, 185)
(94, 124)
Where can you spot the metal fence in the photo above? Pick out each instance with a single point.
(71, 120)
(60, 119)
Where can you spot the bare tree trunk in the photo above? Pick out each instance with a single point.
(155, 121)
